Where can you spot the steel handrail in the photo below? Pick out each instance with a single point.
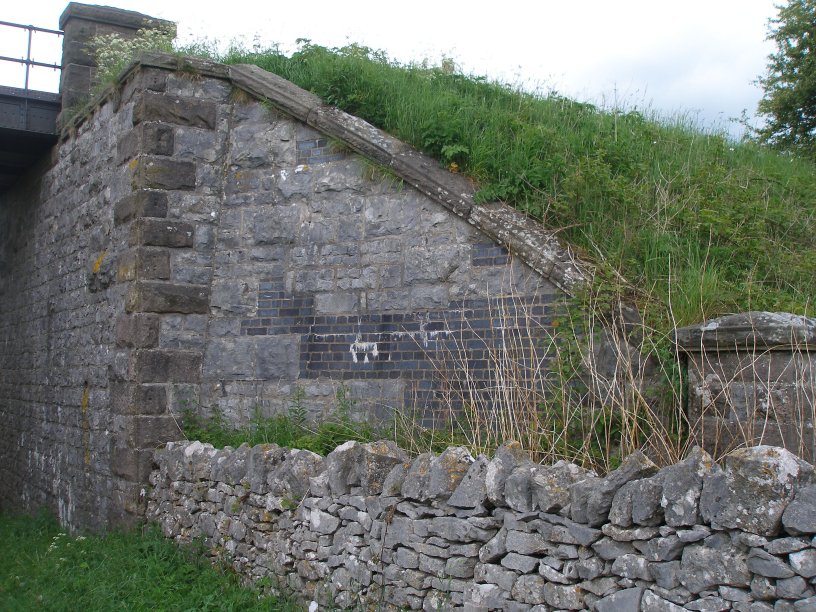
(28, 61)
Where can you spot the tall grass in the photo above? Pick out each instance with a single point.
(291, 429)
(580, 386)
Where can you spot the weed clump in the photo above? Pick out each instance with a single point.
(291, 429)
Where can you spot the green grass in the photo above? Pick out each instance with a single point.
(696, 224)
(43, 568)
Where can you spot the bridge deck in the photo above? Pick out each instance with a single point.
(28, 128)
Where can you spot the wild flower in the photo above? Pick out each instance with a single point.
(112, 52)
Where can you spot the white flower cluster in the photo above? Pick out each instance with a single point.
(112, 52)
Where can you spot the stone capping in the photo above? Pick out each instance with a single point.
(109, 15)
(369, 525)
(524, 237)
(749, 331)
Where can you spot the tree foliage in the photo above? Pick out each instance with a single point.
(789, 101)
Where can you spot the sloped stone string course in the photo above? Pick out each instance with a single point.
(367, 526)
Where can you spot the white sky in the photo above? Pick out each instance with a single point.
(697, 58)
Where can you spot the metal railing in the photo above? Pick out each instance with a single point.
(28, 61)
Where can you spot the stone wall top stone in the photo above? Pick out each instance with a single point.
(108, 15)
(747, 331)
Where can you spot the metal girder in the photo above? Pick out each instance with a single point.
(28, 129)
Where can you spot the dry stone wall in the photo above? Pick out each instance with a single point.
(367, 526)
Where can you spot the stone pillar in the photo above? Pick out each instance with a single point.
(161, 293)
(80, 23)
(751, 381)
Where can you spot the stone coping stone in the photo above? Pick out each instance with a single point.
(748, 331)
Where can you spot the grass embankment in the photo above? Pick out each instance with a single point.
(696, 224)
(686, 223)
(43, 568)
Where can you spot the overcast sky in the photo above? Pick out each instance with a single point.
(696, 58)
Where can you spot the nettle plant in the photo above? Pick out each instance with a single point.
(112, 52)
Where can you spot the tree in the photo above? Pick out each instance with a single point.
(789, 101)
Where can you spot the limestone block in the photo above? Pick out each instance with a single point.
(703, 567)
(341, 467)
(446, 471)
(591, 499)
(804, 562)
(564, 597)
(520, 563)
(290, 478)
(507, 457)
(376, 460)
(653, 603)
(765, 564)
(529, 589)
(682, 487)
(799, 517)
(754, 489)
(471, 492)
(417, 478)
(550, 485)
(627, 600)
(277, 357)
